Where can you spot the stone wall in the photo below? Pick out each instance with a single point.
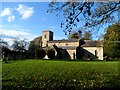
(64, 44)
(46, 36)
(99, 51)
(88, 50)
(71, 53)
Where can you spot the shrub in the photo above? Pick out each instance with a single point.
(41, 54)
(50, 53)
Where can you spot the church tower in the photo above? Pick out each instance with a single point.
(46, 36)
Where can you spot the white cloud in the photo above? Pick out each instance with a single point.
(8, 34)
(11, 18)
(6, 12)
(25, 11)
(19, 33)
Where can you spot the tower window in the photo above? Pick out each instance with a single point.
(45, 36)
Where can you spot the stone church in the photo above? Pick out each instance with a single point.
(73, 49)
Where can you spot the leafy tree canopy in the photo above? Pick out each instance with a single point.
(3, 43)
(112, 41)
(74, 35)
(19, 44)
(92, 14)
(35, 44)
(113, 33)
(86, 35)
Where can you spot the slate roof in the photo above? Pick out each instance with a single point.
(62, 41)
(88, 43)
(68, 47)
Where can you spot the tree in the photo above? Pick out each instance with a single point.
(87, 35)
(19, 45)
(94, 14)
(73, 36)
(38, 41)
(4, 50)
(35, 45)
(51, 53)
(3, 43)
(5, 53)
(112, 41)
(41, 54)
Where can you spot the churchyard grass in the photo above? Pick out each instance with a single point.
(59, 75)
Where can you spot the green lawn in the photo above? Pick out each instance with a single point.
(48, 74)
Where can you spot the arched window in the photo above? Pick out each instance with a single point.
(45, 36)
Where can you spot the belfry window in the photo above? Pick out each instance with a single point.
(45, 36)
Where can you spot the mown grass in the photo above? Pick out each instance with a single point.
(48, 74)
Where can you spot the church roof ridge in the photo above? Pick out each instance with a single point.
(76, 40)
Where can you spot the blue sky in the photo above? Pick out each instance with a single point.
(29, 19)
